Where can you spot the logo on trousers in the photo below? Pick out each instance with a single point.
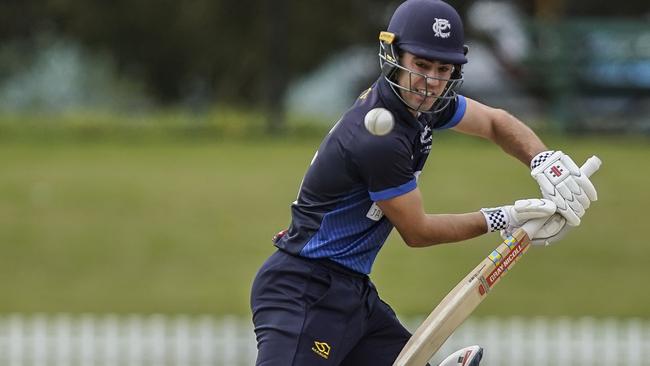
(322, 349)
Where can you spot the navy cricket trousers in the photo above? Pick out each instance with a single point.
(317, 312)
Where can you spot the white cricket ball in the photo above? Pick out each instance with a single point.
(379, 121)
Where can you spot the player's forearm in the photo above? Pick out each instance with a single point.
(446, 228)
(515, 138)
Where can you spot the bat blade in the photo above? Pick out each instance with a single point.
(461, 301)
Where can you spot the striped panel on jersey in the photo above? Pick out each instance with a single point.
(347, 236)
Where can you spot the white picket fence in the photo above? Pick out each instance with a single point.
(156, 340)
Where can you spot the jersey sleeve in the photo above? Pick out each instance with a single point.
(452, 115)
(385, 166)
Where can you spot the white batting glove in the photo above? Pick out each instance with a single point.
(554, 229)
(509, 218)
(561, 181)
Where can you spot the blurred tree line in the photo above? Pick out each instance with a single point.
(242, 52)
(223, 48)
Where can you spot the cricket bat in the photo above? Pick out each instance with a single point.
(461, 301)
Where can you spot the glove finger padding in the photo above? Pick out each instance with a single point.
(549, 192)
(513, 216)
(588, 187)
(573, 186)
(524, 210)
(573, 200)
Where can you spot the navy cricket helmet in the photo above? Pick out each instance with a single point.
(430, 29)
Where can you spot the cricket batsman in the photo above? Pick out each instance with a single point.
(312, 301)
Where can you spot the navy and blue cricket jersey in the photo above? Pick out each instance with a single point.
(335, 216)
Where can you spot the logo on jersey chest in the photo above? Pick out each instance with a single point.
(426, 137)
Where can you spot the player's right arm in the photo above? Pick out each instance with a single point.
(419, 229)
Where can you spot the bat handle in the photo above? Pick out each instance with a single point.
(591, 166)
(588, 168)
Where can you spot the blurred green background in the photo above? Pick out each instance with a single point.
(150, 150)
(181, 225)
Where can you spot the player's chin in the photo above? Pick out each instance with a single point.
(423, 103)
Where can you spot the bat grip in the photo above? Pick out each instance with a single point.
(588, 168)
(591, 166)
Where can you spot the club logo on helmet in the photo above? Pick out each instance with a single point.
(409, 30)
(441, 28)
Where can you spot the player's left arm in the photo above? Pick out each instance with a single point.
(502, 128)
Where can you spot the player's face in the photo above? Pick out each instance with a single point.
(427, 80)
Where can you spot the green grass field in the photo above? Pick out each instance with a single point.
(178, 227)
